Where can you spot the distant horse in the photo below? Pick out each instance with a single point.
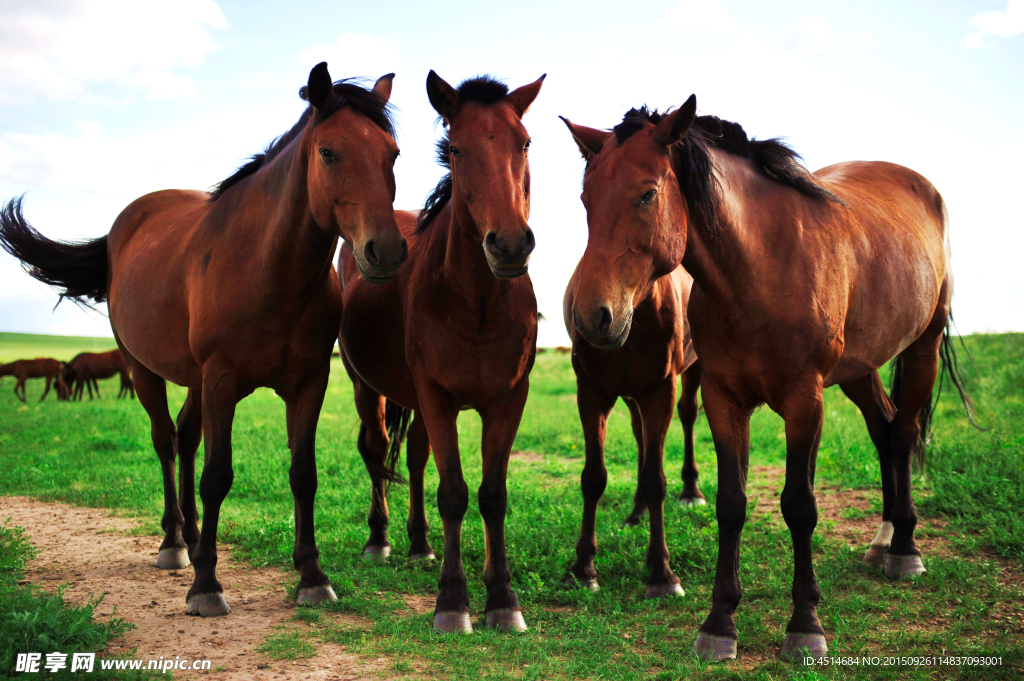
(644, 372)
(42, 367)
(87, 367)
(801, 282)
(457, 330)
(230, 291)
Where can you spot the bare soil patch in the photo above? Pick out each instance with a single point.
(527, 457)
(91, 550)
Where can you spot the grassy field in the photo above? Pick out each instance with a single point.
(971, 495)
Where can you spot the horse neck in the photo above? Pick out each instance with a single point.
(293, 244)
(465, 267)
(721, 259)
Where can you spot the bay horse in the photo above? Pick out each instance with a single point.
(228, 291)
(456, 330)
(643, 371)
(802, 281)
(86, 368)
(41, 367)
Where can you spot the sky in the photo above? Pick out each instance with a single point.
(104, 101)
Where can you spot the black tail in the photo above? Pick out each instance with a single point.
(396, 422)
(949, 368)
(78, 270)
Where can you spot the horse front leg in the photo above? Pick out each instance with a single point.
(804, 415)
(303, 413)
(206, 596)
(451, 614)
(417, 455)
(500, 423)
(636, 420)
(46, 391)
(190, 433)
(657, 407)
(688, 410)
(730, 428)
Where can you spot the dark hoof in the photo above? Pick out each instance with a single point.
(422, 557)
(798, 646)
(900, 567)
(315, 595)
(208, 605)
(506, 619)
(714, 648)
(664, 591)
(686, 502)
(633, 520)
(875, 557)
(452, 623)
(589, 584)
(172, 559)
(376, 554)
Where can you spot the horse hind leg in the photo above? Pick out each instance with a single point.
(153, 396)
(190, 434)
(372, 443)
(23, 395)
(868, 394)
(49, 380)
(688, 410)
(636, 420)
(417, 455)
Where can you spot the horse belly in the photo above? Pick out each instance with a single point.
(373, 341)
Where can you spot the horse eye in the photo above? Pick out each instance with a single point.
(327, 156)
(648, 196)
(455, 152)
(528, 143)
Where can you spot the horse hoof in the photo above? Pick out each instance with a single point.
(590, 584)
(875, 557)
(506, 619)
(376, 554)
(664, 591)
(208, 605)
(422, 557)
(633, 520)
(898, 567)
(687, 502)
(452, 623)
(315, 595)
(172, 559)
(798, 646)
(712, 648)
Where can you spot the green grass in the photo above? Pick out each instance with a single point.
(35, 621)
(99, 454)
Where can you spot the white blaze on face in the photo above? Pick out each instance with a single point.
(884, 536)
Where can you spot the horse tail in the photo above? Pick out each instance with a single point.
(78, 270)
(396, 423)
(949, 369)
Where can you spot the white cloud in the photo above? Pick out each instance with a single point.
(998, 24)
(701, 15)
(810, 34)
(355, 55)
(63, 50)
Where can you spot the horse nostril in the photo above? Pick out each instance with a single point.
(604, 322)
(370, 253)
(531, 243)
(491, 243)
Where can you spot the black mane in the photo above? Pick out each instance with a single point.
(482, 89)
(346, 93)
(695, 167)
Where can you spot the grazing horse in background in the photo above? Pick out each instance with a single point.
(234, 290)
(644, 372)
(42, 367)
(88, 367)
(457, 330)
(801, 281)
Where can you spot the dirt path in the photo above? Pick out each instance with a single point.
(93, 551)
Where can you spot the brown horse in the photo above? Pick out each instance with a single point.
(88, 367)
(644, 372)
(801, 282)
(42, 367)
(457, 330)
(230, 291)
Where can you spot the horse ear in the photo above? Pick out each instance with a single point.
(443, 97)
(523, 97)
(674, 126)
(383, 86)
(589, 140)
(320, 89)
